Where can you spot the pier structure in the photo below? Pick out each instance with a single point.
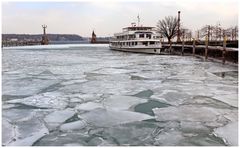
(44, 37)
(207, 52)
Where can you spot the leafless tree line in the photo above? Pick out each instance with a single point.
(167, 27)
(217, 33)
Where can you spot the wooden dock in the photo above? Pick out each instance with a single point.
(219, 53)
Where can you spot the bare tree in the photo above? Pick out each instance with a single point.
(217, 33)
(206, 31)
(186, 34)
(168, 27)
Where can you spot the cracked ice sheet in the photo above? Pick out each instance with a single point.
(111, 71)
(18, 115)
(26, 86)
(45, 100)
(231, 99)
(172, 97)
(187, 113)
(122, 102)
(116, 87)
(89, 106)
(228, 132)
(58, 117)
(106, 88)
(26, 132)
(107, 118)
(71, 126)
(7, 131)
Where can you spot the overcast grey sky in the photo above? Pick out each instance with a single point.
(108, 17)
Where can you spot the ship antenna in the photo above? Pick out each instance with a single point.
(138, 19)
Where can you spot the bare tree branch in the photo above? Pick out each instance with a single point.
(167, 27)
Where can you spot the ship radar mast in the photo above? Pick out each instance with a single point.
(138, 20)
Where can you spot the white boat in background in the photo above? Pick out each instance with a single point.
(137, 39)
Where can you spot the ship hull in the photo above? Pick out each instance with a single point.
(140, 50)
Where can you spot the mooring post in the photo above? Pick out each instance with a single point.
(194, 45)
(170, 51)
(206, 48)
(182, 47)
(224, 50)
(183, 35)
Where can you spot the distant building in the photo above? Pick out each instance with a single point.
(93, 40)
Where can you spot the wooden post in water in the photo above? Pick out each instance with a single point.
(170, 51)
(194, 46)
(206, 48)
(183, 35)
(224, 50)
(206, 43)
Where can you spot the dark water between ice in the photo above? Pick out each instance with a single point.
(63, 95)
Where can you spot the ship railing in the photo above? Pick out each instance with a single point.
(135, 39)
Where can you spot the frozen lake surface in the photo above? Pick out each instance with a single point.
(88, 95)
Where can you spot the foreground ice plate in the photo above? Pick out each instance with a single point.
(107, 118)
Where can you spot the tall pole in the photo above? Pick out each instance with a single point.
(178, 28)
(44, 29)
(44, 37)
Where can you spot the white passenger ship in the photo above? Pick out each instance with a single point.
(137, 39)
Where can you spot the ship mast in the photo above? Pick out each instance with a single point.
(138, 20)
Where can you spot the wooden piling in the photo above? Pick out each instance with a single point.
(224, 50)
(182, 48)
(183, 35)
(206, 42)
(206, 48)
(194, 46)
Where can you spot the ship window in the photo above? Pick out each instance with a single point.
(135, 43)
(145, 43)
(151, 43)
(141, 35)
(132, 43)
(148, 36)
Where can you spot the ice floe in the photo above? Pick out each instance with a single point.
(89, 106)
(26, 86)
(58, 117)
(45, 100)
(76, 125)
(122, 102)
(229, 133)
(107, 118)
(186, 113)
(27, 132)
(8, 132)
